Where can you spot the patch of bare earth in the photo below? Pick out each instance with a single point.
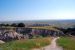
(1, 42)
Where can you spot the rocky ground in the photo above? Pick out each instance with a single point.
(1, 42)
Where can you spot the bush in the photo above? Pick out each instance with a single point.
(21, 25)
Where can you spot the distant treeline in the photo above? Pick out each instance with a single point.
(22, 25)
(13, 25)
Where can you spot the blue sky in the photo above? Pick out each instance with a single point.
(11, 10)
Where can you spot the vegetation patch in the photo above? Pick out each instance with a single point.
(45, 27)
(68, 43)
(26, 44)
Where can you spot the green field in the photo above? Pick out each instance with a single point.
(68, 43)
(45, 27)
(26, 44)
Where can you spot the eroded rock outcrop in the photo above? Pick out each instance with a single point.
(10, 35)
(44, 32)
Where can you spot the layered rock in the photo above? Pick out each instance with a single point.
(10, 35)
(44, 32)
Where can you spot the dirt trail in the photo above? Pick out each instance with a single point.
(52, 46)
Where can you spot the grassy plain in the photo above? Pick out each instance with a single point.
(68, 43)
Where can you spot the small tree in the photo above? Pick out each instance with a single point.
(21, 25)
(4, 25)
(7, 25)
(14, 25)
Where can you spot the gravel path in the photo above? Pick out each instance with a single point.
(52, 46)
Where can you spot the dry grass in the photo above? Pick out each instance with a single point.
(26, 44)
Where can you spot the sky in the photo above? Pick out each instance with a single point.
(12, 10)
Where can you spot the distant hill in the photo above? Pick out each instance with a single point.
(58, 23)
